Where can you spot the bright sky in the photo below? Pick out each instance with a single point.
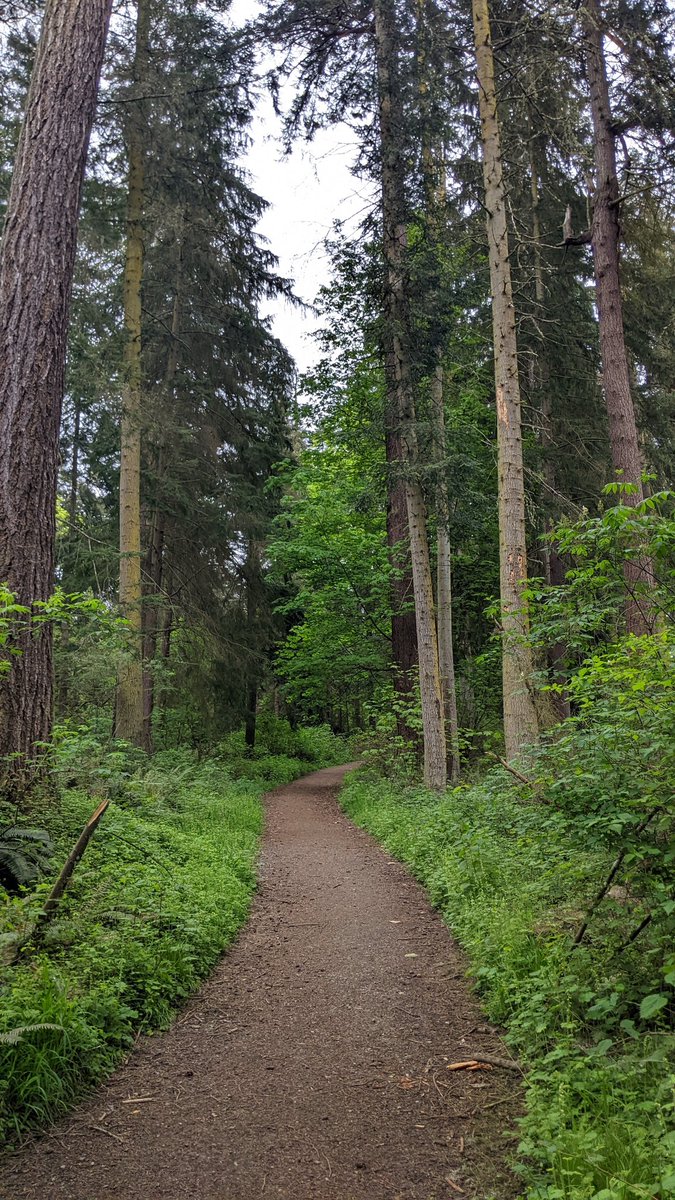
(307, 191)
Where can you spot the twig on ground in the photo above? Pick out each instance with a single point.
(507, 1064)
(108, 1132)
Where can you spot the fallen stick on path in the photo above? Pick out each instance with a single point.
(506, 1064)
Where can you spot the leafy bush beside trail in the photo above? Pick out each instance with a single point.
(160, 892)
(514, 880)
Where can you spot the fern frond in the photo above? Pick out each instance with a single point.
(11, 1037)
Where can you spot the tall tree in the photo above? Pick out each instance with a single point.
(129, 709)
(36, 270)
(520, 718)
(605, 241)
(435, 200)
(400, 385)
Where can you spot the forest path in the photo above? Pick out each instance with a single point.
(312, 1064)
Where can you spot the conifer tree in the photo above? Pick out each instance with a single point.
(129, 713)
(36, 270)
(605, 239)
(520, 718)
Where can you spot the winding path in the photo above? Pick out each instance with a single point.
(313, 1063)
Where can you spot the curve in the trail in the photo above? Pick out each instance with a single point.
(313, 1063)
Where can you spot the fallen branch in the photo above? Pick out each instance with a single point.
(512, 770)
(613, 872)
(506, 1064)
(636, 933)
(64, 876)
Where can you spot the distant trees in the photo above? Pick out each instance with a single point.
(474, 387)
(553, 449)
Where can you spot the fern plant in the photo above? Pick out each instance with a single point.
(24, 854)
(11, 1037)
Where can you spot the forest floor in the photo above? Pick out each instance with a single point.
(313, 1063)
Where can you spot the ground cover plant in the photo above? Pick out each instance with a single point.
(559, 887)
(160, 892)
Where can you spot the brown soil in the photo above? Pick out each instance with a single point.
(313, 1063)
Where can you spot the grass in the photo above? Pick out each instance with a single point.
(513, 882)
(162, 890)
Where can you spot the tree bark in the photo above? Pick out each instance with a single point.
(400, 390)
(446, 655)
(253, 583)
(36, 271)
(520, 719)
(433, 172)
(154, 563)
(129, 706)
(553, 567)
(605, 241)
(403, 628)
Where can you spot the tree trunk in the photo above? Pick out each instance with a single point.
(129, 715)
(154, 565)
(446, 655)
(251, 715)
(403, 628)
(36, 271)
(553, 567)
(433, 172)
(623, 436)
(520, 720)
(399, 386)
(253, 583)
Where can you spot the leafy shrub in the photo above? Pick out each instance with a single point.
(281, 753)
(162, 889)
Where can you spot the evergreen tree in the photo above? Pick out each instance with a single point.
(36, 271)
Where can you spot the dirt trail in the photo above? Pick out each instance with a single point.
(312, 1064)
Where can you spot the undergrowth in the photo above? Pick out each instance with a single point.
(162, 889)
(514, 879)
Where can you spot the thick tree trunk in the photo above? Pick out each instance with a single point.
(520, 719)
(623, 436)
(36, 270)
(399, 385)
(129, 714)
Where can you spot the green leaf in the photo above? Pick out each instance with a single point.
(653, 1004)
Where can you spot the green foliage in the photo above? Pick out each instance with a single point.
(589, 607)
(281, 754)
(162, 889)
(24, 854)
(513, 881)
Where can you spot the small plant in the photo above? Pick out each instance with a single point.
(12, 1037)
(24, 855)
